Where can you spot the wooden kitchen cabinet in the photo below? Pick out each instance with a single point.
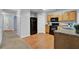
(60, 17)
(69, 16)
(48, 18)
(47, 29)
(72, 15)
(61, 41)
(65, 16)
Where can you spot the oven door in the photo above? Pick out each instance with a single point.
(53, 28)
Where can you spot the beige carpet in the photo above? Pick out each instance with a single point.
(12, 41)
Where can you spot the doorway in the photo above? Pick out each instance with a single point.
(33, 25)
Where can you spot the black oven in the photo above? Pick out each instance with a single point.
(54, 24)
(54, 21)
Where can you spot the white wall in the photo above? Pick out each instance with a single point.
(1, 28)
(78, 16)
(33, 14)
(25, 23)
(18, 23)
(41, 22)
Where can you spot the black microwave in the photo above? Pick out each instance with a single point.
(54, 19)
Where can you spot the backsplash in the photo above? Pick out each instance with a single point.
(67, 25)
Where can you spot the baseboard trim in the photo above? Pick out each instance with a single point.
(25, 36)
(8, 30)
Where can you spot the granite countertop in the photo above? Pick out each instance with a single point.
(66, 31)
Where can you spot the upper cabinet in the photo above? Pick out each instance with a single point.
(72, 15)
(69, 16)
(60, 17)
(66, 16)
(49, 18)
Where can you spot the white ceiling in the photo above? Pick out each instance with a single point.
(45, 10)
(13, 11)
(40, 10)
(36, 10)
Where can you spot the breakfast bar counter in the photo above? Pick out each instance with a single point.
(68, 32)
(66, 39)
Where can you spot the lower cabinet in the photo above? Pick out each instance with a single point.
(64, 41)
(47, 29)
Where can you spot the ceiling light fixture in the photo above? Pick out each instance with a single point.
(44, 9)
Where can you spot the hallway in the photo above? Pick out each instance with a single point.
(12, 41)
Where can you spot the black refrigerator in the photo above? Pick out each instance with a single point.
(33, 25)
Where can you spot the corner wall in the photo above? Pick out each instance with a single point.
(1, 28)
(25, 23)
(41, 22)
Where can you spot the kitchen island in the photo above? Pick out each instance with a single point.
(66, 39)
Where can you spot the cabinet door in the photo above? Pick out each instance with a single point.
(60, 18)
(72, 15)
(62, 41)
(47, 29)
(59, 41)
(65, 16)
(74, 43)
(69, 16)
(48, 18)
